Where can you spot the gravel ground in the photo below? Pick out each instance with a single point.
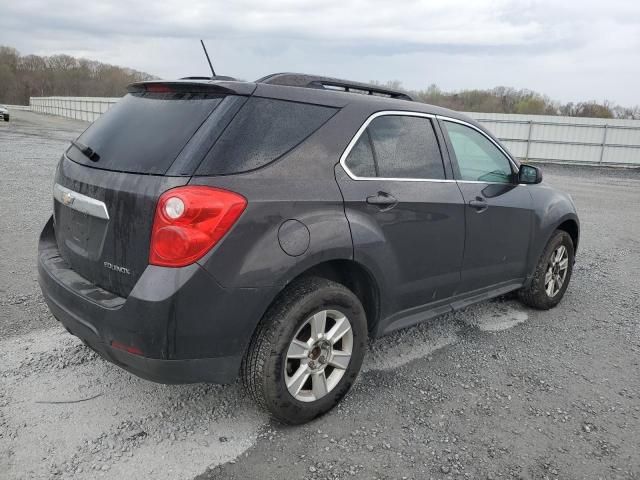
(495, 391)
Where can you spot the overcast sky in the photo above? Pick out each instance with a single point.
(570, 50)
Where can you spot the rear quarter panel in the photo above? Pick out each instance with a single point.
(301, 186)
(251, 255)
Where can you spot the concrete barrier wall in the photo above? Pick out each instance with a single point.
(528, 137)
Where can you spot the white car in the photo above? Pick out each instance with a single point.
(4, 112)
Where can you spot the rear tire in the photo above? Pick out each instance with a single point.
(552, 275)
(307, 350)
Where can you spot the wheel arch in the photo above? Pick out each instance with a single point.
(571, 227)
(357, 278)
(568, 223)
(350, 273)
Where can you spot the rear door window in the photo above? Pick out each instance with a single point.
(360, 160)
(263, 130)
(144, 132)
(397, 146)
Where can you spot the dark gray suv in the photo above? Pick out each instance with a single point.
(203, 229)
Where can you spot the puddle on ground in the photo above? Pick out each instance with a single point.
(503, 319)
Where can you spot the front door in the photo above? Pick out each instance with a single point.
(406, 214)
(498, 210)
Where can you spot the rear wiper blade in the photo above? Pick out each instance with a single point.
(88, 152)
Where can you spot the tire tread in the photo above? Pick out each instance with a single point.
(252, 371)
(534, 295)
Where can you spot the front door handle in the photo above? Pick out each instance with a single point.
(383, 200)
(479, 204)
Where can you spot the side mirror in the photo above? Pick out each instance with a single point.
(529, 174)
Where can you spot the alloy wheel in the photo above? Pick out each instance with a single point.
(556, 271)
(318, 355)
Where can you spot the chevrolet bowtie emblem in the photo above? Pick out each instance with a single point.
(67, 198)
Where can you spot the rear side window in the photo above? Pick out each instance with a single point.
(263, 131)
(360, 160)
(396, 146)
(144, 132)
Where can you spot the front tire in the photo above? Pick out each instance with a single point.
(552, 275)
(307, 350)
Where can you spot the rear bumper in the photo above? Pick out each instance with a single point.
(188, 327)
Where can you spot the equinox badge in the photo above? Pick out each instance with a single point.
(116, 268)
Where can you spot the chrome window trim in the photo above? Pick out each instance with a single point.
(487, 183)
(361, 130)
(79, 202)
(382, 113)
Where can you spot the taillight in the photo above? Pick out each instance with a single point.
(189, 221)
(158, 88)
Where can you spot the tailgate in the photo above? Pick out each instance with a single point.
(103, 222)
(109, 180)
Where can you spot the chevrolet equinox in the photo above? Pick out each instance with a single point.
(205, 229)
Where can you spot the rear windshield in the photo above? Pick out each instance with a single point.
(263, 130)
(144, 132)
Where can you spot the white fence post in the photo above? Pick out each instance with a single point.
(604, 142)
(526, 155)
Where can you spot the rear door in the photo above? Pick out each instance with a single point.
(405, 212)
(498, 210)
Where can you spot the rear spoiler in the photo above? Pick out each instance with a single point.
(222, 87)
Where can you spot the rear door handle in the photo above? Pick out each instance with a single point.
(383, 200)
(479, 204)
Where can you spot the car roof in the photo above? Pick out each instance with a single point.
(340, 98)
(315, 89)
(294, 88)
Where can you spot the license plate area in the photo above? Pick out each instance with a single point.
(81, 233)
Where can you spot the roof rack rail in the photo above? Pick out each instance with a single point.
(328, 83)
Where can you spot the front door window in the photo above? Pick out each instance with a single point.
(479, 160)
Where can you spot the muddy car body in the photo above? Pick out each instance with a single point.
(271, 228)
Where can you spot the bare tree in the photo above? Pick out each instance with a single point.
(27, 76)
(32, 75)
